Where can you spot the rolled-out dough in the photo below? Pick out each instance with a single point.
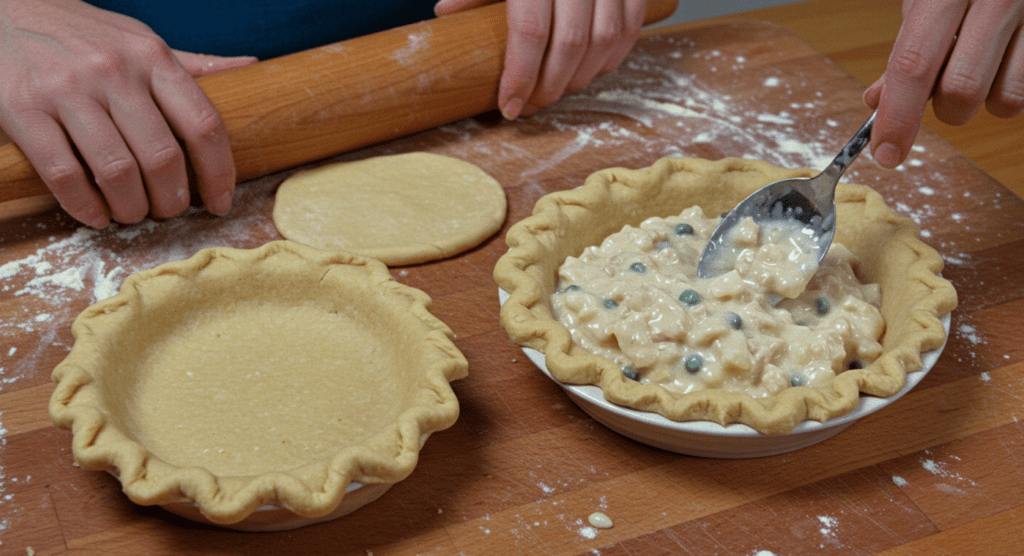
(401, 209)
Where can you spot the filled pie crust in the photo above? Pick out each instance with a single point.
(564, 223)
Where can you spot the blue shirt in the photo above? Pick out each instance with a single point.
(266, 28)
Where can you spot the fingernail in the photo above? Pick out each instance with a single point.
(512, 109)
(887, 155)
(870, 97)
(99, 222)
(97, 219)
(222, 204)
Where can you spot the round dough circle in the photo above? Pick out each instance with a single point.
(401, 209)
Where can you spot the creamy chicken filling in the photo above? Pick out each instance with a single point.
(636, 300)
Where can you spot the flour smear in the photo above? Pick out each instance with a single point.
(45, 290)
(5, 499)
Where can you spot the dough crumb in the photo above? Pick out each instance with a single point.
(600, 520)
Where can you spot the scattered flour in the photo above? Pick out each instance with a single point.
(828, 525)
(416, 42)
(582, 529)
(899, 481)
(484, 528)
(970, 333)
(962, 259)
(703, 114)
(932, 467)
(950, 489)
(5, 521)
(61, 275)
(782, 118)
(941, 469)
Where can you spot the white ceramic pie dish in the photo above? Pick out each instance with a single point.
(711, 440)
(258, 390)
(276, 518)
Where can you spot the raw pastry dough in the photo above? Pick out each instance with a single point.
(564, 223)
(242, 378)
(401, 209)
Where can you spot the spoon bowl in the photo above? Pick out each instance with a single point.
(804, 207)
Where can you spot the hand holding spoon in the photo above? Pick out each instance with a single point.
(807, 205)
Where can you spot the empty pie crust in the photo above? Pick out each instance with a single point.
(244, 379)
(564, 223)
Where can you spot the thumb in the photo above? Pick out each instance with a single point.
(873, 94)
(204, 64)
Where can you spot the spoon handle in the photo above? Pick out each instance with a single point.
(850, 151)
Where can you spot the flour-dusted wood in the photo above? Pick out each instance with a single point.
(523, 468)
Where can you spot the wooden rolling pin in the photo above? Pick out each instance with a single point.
(303, 107)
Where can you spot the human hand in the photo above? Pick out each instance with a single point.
(962, 53)
(88, 94)
(558, 46)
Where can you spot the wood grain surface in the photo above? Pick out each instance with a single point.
(937, 472)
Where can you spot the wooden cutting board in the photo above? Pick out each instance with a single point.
(523, 467)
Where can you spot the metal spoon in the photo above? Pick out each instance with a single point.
(808, 201)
